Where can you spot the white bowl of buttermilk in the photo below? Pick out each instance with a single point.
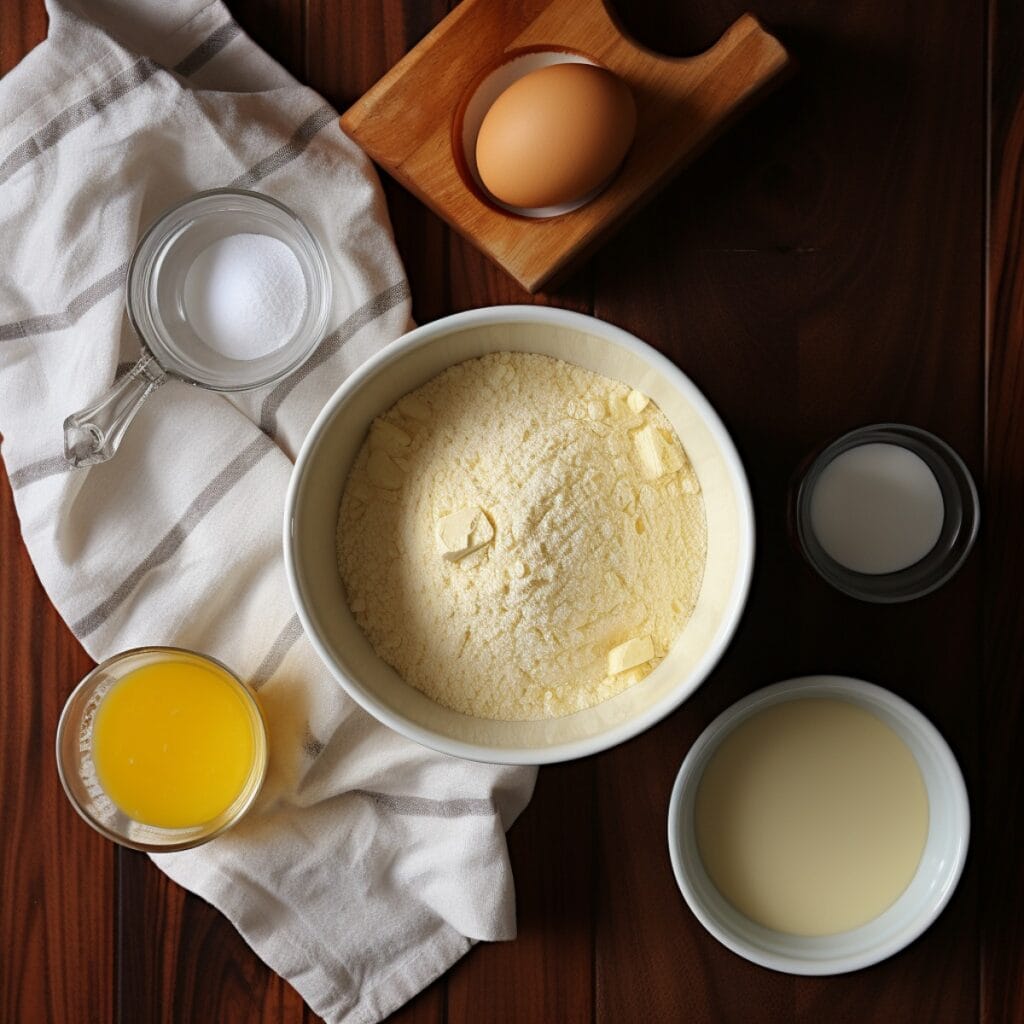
(519, 535)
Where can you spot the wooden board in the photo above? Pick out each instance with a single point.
(410, 121)
(824, 265)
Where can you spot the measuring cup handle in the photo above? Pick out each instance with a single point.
(93, 434)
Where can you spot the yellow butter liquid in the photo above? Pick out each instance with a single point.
(174, 743)
(811, 817)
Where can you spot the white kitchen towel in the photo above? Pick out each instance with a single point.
(369, 864)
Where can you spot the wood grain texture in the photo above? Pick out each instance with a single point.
(22, 26)
(57, 952)
(547, 973)
(1002, 947)
(279, 26)
(179, 960)
(829, 280)
(823, 266)
(407, 120)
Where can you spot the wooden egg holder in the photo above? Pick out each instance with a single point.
(410, 122)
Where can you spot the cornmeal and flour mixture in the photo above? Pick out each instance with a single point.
(521, 538)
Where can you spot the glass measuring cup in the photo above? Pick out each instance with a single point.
(171, 348)
(78, 745)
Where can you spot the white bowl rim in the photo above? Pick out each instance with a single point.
(731, 616)
(831, 685)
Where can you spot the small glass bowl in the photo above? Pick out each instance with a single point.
(171, 347)
(78, 772)
(156, 285)
(962, 517)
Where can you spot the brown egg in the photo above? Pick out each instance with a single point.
(555, 135)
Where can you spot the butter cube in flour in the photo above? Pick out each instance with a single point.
(637, 401)
(657, 455)
(387, 436)
(637, 651)
(463, 532)
(414, 408)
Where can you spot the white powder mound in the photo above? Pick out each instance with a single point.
(245, 295)
(521, 538)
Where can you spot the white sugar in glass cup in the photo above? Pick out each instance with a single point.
(886, 513)
(159, 293)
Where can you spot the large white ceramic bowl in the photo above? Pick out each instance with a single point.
(921, 902)
(315, 490)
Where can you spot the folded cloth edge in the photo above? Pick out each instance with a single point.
(388, 993)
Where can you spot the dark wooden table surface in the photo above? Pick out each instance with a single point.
(852, 252)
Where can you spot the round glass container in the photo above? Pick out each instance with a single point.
(171, 348)
(156, 286)
(961, 517)
(77, 768)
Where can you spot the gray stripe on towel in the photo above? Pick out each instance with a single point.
(73, 117)
(40, 470)
(423, 807)
(279, 649)
(220, 485)
(291, 150)
(363, 316)
(73, 312)
(124, 82)
(77, 114)
(207, 49)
